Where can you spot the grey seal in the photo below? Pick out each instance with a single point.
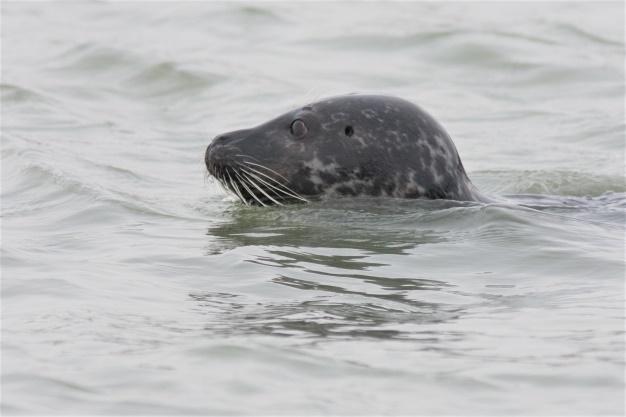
(351, 145)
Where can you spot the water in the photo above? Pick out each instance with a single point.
(132, 285)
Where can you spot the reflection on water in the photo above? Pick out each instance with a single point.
(321, 318)
(342, 263)
(382, 226)
(338, 247)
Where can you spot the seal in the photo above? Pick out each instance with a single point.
(352, 145)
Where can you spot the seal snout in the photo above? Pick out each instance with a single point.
(219, 153)
(225, 150)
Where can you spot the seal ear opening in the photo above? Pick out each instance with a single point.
(349, 131)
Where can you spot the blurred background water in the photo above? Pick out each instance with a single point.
(132, 285)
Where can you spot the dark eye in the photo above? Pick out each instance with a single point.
(298, 128)
(349, 131)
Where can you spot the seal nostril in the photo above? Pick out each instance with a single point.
(349, 131)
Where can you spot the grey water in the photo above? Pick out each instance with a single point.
(132, 284)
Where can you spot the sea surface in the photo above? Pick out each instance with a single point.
(132, 284)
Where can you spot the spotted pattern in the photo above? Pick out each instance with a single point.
(394, 149)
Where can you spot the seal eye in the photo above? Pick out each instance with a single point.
(298, 128)
(349, 131)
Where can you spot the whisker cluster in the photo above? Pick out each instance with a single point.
(256, 184)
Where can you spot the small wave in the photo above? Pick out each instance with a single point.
(370, 225)
(565, 183)
(92, 59)
(246, 15)
(535, 38)
(15, 94)
(479, 52)
(133, 74)
(377, 42)
(554, 74)
(42, 187)
(167, 78)
(379, 316)
(258, 12)
(584, 35)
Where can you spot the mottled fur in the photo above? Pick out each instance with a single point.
(354, 145)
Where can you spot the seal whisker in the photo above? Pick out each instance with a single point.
(247, 156)
(223, 182)
(230, 185)
(283, 193)
(285, 190)
(236, 189)
(264, 167)
(278, 191)
(259, 188)
(279, 183)
(243, 183)
(220, 182)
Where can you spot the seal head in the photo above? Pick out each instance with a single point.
(350, 145)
